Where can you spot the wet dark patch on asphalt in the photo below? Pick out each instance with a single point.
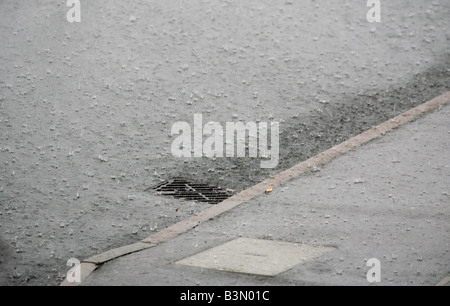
(333, 123)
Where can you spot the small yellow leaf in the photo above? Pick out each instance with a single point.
(269, 190)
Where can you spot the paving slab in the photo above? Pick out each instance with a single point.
(255, 256)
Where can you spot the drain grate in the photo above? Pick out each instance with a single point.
(193, 191)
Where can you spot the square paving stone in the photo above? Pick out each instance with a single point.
(254, 256)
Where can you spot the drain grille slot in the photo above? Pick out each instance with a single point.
(192, 191)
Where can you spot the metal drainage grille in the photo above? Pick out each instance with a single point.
(185, 189)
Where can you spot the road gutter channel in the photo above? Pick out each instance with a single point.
(91, 264)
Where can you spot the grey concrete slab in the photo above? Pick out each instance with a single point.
(255, 256)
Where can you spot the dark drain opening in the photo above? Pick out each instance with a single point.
(182, 188)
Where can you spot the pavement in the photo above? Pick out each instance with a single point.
(387, 199)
